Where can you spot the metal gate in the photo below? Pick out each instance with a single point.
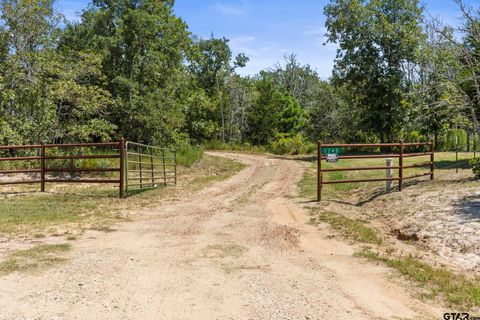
(400, 155)
(149, 167)
(62, 163)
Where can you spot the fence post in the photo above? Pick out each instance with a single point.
(122, 165)
(153, 167)
(319, 171)
(175, 165)
(400, 170)
(389, 173)
(456, 153)
(432, 160)
(165, 168)
(42, 168)
(139, 151)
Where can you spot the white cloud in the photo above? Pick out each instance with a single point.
(230, 9)
(318, 35)
(315, 31)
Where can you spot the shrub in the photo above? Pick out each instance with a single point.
(244, 147)
(291, 144)
(475, 164)
(188, 155)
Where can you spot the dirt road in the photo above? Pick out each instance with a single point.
(240, 249)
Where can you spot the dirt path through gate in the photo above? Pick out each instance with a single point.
(240, 249)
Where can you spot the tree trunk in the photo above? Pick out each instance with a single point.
(221, 110)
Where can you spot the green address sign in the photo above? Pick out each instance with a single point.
(337, 151)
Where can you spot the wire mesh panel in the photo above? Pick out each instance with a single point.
(149, 167)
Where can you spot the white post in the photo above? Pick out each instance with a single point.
(389, 173)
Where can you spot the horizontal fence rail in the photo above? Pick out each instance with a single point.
(63, 159)
(132, 166)
(149, 167)
(400, 155)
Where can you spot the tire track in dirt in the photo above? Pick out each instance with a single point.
(239, 249)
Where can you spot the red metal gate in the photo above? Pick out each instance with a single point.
(39, 160)
(400, 155)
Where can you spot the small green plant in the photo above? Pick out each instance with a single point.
(355, 230)
(475, 164)
(291, 144)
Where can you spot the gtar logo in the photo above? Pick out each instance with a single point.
(456, 316)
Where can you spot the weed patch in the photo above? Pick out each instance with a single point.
(33, 259)
(351, 229)
(456, 289)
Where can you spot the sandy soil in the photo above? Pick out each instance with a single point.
(240, 249)
(443, 215)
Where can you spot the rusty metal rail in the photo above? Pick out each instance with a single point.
(44, 162)
(401, 167)
(149, 167)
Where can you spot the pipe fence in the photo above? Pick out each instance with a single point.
(401, 155)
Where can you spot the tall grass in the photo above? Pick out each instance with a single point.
(187, 155)
(245, 147)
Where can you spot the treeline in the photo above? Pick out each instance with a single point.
(132, 68)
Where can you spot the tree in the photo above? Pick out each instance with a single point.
(300, 81)
(376, 39)
(143, 46)
(291, 116)
(262, 116)
(435, 94)
(47, 95)
(212, 65)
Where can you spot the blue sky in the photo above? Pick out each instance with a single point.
(266, 30)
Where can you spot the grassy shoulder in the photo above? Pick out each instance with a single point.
(457, 289)
(352, 229)
(344, 210)
(70, 210)
(34, 259)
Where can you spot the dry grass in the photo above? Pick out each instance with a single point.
(34, 259)
(352, 229)
(71, 209)
(456, 289)
(429, 209)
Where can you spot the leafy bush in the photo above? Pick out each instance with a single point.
(291, 144)
(446, 141)
(188, 155)
(475, 164)
(244, 147)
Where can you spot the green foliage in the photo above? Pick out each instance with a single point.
(199, 113)
(291, 117)
(376, 39)
(131, 68)
(262, 117)
(475, 164)
(187, 155)
(142, 60)
(48, 95)
(351, 229)
(244, 147)
(291, 144)
(452, 139)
